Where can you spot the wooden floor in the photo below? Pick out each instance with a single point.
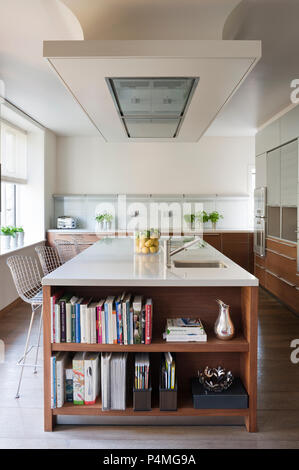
(21, 421)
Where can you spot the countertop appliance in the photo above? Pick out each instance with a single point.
(66, 221)
(260, 221)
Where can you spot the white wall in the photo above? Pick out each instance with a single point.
(214, 165)
(49, 176)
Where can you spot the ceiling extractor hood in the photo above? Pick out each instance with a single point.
(152, 107)
(152, 90)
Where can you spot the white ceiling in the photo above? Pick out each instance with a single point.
(31, 85)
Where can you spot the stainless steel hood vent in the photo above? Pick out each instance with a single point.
(152, 107)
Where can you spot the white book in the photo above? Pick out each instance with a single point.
(52, 319)
(52, 370)
(124, 315)
(92, 377)
(60, 378)
(105, 380)
(186, 338)
(68, 313)
(57, 322)
(92, 322)
(111, 320)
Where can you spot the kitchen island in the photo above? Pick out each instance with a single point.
(110, 267)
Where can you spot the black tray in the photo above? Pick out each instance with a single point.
(235, 397)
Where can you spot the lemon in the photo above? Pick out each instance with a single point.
(145, 250)
(153, 249)
(149, 243)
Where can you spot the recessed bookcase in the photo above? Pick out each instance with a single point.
(238, 354)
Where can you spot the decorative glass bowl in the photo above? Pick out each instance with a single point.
(215, 379)
(147, 242)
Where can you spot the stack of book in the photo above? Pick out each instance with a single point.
(142, 370)
(74, 379)
(113, 378)
(114, 320)
(168, 371)
(184, 330)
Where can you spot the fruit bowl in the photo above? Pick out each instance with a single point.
(147, 242)
(215, 379)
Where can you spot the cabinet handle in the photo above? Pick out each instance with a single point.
(287, 282)
(262, 267)
(272, 274)
(281, 254)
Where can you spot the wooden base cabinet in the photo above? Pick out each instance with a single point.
(277, 271)
(238, 355)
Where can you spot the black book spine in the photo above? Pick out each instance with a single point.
(62, 322)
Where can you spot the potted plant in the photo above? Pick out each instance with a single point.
(20, 236)
(189, 219)
(107, 221)
(214, 217)
(100, 220)
(13, 240)
(7, 234)
(202, 217)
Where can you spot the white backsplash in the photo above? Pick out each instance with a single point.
(236, 210)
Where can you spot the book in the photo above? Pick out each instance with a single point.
(78, 322)
(53, 380)
(61, 360)
(53, 300)
(91, 322)
(137, 321)
(78, 378)
(110, 320)
(142, 368)
(168, 371)
(72, 302)
(185, 324)
(84, 324)
(105, 380)
(91, 377)
(186, 338)
(142, 326)
(126, 318)
(131, 325)
(148, 321)
(99, 319)
(69, 381)
(62, 306)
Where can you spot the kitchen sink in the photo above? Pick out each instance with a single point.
(198, 264)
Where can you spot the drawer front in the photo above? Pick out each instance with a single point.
(260, 273)
(260, 260)
(286, 293)
(285, 248)
(282, 265)
(214, 239)
(232, 238)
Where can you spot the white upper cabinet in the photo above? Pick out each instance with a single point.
(268, 138)
(261, 170)
(289, 125)
(289, 172)
(273, 178)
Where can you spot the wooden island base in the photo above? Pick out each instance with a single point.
(238, 355)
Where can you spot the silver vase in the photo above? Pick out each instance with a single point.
(224, 327)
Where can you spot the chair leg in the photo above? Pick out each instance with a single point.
(25, 353)
(38, 342)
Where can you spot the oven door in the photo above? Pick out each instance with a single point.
(259, 239)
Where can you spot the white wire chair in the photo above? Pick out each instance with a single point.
(66, 250)
(27, 279)
(81, 243)
(48, 257)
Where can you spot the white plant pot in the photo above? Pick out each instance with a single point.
(13, 242)
(20, 238)
(100, 227)
(214, 224)
(6, 241)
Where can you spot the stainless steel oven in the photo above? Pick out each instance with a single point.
(260, 221)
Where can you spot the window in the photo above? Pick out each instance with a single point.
(13, 170)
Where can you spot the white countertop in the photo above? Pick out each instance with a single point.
(112, 262)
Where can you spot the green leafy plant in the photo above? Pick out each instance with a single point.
(189, 218)
(202, 217)
(100, 218)
(7, 231)
(19, 230)
(108, 217)
(215, 216)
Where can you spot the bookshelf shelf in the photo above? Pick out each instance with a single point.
(96, 410)
(237, 344)
(238, 355)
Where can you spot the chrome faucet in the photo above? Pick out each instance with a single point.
(168, 254)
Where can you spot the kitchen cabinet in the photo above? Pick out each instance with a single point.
(261, 170)
(289, 172)
(268, 138)
(289, 125)
(214, 239)
(273, 178)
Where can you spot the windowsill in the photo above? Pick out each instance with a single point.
(28, 242)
